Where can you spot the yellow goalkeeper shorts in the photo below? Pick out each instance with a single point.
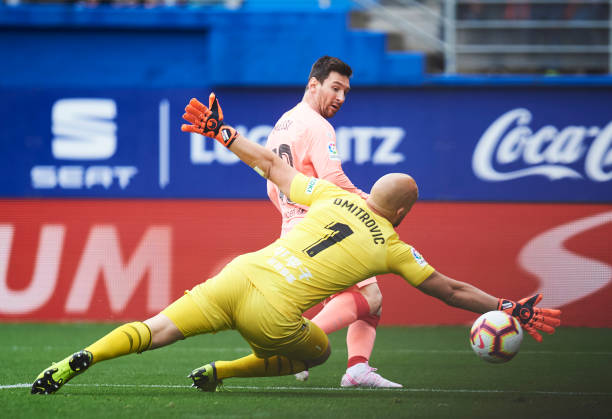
(230, 301)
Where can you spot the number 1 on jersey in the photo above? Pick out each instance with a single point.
(339, 232)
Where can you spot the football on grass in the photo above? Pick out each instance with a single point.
(496, 336)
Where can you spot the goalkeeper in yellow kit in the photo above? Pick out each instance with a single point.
(343, 239)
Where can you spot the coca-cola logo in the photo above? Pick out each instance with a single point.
(549, 151)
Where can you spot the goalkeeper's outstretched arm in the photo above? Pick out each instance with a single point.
(468, 297)
(458, 294)
(208, 121)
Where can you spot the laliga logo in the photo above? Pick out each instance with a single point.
(547, 152)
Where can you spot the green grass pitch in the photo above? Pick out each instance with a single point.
(568, 375)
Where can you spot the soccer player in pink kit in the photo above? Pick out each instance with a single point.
(307, 141)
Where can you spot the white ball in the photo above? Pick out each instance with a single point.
(496, 336)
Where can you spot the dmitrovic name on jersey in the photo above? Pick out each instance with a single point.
(363, 216)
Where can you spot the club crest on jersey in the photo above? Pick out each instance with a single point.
(311, 184)
(417, 257)
(333, 151)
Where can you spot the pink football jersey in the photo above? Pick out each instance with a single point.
(306, 141)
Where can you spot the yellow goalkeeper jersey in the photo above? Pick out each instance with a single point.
(339, 243)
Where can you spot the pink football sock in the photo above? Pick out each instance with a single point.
(341, 311)
(360, 339)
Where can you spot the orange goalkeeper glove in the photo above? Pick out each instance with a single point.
(208, 121)
(531, 317)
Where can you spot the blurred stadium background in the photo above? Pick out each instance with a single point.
(501, 110)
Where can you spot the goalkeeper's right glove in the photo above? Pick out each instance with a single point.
(208, 121)
(531, 317)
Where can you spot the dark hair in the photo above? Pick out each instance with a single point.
(325, 65)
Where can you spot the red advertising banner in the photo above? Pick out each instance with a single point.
(111, 260)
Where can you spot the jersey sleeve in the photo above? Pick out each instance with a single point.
(326, 161)
(405, 261)
(306, 190)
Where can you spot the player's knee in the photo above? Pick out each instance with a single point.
(163, 331)
(373, 296)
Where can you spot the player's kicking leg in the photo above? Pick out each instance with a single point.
(359, 309)
(359, 373)
(363, 375)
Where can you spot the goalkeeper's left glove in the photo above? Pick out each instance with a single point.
(532, 318)
(208, 121)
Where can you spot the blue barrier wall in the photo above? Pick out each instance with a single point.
(176, 47)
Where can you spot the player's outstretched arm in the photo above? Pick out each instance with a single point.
(468, 297)
(208, 121)
(458, 294)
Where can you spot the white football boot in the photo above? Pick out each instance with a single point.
(362, 375)
(301, 376)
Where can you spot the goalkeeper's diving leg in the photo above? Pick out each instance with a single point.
(135, 337)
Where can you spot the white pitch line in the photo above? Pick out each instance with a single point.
(469, 351)
(246, 351)
(293, 388)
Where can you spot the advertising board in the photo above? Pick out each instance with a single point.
(461, 144)
(111, 260)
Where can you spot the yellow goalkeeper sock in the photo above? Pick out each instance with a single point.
(126, 339)
(251, 366)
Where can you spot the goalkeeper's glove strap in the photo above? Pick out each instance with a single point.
(506, 305)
